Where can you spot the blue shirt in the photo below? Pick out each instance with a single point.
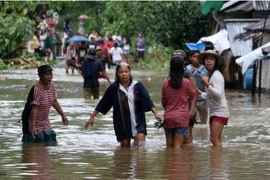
(201, 70)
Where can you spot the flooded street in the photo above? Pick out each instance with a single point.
(95, 153)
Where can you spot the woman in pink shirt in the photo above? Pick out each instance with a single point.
(176, 92)
(35, 117)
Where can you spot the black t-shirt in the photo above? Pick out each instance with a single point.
(90, 69)
(67, 21)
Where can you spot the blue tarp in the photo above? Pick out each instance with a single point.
(195, 46)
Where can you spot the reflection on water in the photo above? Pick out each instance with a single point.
(37, 162)
(218, 166)
(179, 163)
(129, 163)
(95, 153)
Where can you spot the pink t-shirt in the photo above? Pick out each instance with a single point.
(44, 99)
(176, 104)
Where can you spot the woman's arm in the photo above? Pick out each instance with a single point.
(58, 108)
(193, 102)
(217, 87)
(154, 111)
(91, 119)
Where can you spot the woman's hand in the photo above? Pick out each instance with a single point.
(192, 113)
(89, 122)
(199, 92)
(64, 120)
(204, 80)
(157, 117)
(33, 130)
(192, 70)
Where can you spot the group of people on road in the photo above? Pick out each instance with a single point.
(184, 96)
(46, 42)
(115, 48)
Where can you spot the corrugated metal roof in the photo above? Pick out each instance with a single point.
(261, 5)
(235, 27)
(259, 27)
(228, 4)
(245, 6)
(232, 6)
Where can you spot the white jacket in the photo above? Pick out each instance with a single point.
(215, 95)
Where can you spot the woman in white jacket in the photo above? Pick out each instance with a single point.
(215, 94)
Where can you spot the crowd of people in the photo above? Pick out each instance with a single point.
(50, 44)
(187, 95)
(115, 48)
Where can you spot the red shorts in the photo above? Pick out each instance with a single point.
(221, 120)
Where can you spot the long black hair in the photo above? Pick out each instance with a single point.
(176, 73)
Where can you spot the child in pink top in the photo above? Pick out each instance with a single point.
(176, 92)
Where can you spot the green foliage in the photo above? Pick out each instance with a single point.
(3, 65)
(157, 57)
(15, 26)
(169, 23)
(14, 30)
(8, 7)
(75, 9)
(176, 22)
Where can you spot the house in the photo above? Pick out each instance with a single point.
(240, 18)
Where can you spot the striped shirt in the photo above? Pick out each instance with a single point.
(44, 99)
(176, 104)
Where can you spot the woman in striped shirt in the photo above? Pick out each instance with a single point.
(35, 117)
(176, 92)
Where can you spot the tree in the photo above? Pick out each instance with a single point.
(169, 23)
(16, 27)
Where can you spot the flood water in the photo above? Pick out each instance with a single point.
(95, 153)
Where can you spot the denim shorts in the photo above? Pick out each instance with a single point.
(181, 131)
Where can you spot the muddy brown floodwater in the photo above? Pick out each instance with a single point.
(95, 153)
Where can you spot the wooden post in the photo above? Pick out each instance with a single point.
(254, 79)
(260, 78)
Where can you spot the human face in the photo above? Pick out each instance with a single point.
(99, 52)
(46, 77)
(71, 43)
(123, 74)
(210, 62)
(194, 59)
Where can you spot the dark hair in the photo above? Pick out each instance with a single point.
(209, 45)
(192, 52)
(100, 42)
(92, 52)
(36, 32)
(128, 40)
(110, 39)
(117, 81)
(115, 44)
(44, 68)
(176, 73)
